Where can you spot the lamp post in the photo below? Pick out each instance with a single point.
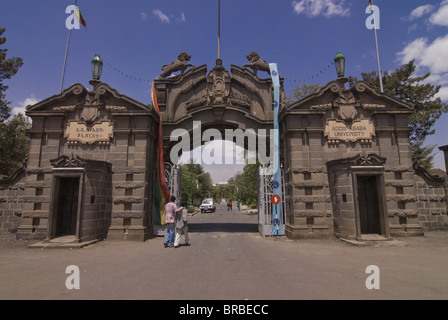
(339, 61)
(193, 179)
(97, 67)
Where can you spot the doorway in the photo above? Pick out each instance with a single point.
(67, 207)
(369, 204)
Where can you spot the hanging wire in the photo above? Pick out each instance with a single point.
(124, 74)
(295, 80)
(318, 74)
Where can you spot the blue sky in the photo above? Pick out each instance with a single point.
(137, 37)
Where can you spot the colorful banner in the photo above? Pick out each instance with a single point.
(276, 198)
(161, 192)
(79, 17)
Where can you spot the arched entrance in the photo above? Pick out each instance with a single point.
(197, 107)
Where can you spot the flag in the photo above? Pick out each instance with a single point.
(79, 17)
(161, 192)
(276, 199)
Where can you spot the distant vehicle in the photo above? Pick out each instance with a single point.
(207, 205)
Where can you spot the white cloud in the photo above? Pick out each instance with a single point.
(22, 105)
(182, 17)
(429, 56)
(420, 11)
(327, 8)
(163, 17)
(413, 27)
(443, 94)
(440, 17)
(143, 16)
(21, 108)
(413, 50)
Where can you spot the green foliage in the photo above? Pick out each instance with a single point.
(423, 155)
(247, 185)
(302, 91)
(422, 96)
(14, 143)
(196, 184)
(8, 68)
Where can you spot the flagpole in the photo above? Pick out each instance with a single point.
(219, 29)
(66, 52)
(65, 59)
(377, 51)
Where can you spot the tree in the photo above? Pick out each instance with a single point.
(14, 143)
(8, 68)
(246, 182)
(302, 91)
(422, 96)
(195, 182)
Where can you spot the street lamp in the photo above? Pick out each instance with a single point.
(97, 67)
(193, 179)
(339, 61)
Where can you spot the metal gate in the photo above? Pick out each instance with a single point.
(173, 180)
(266, 186)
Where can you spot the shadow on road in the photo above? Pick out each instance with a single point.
(222, 227)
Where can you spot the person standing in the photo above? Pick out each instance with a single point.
(181, 225)
(170, 211)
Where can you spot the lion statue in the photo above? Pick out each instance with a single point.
(179, 65)
(256, 63)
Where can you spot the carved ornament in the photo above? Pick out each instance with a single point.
(179, 65)
(255, 63)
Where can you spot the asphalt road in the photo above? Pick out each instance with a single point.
(228, 259)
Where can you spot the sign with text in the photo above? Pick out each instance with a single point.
(357, 130)
(98, 132)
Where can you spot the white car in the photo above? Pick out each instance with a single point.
(207, 205)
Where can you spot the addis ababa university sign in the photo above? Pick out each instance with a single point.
(357, 130)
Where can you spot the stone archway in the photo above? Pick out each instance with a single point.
(200, 106)
(216, 100)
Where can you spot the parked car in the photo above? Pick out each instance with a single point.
(207, 205)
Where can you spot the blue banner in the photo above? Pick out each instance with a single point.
(276, 199)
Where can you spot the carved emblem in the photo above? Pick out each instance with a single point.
(218, 84)
(347, 105)
(68, 162)
(365, 159)
(179, 65)
(89, 115)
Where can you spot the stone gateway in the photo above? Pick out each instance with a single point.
(345, 153)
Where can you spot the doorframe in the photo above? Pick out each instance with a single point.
(378, 172)
(58, 174)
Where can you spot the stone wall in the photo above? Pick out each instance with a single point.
(11, 199)
(432, 202)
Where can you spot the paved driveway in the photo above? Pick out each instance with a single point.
(228, 259)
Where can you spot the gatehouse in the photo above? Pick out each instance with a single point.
(93, 168)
